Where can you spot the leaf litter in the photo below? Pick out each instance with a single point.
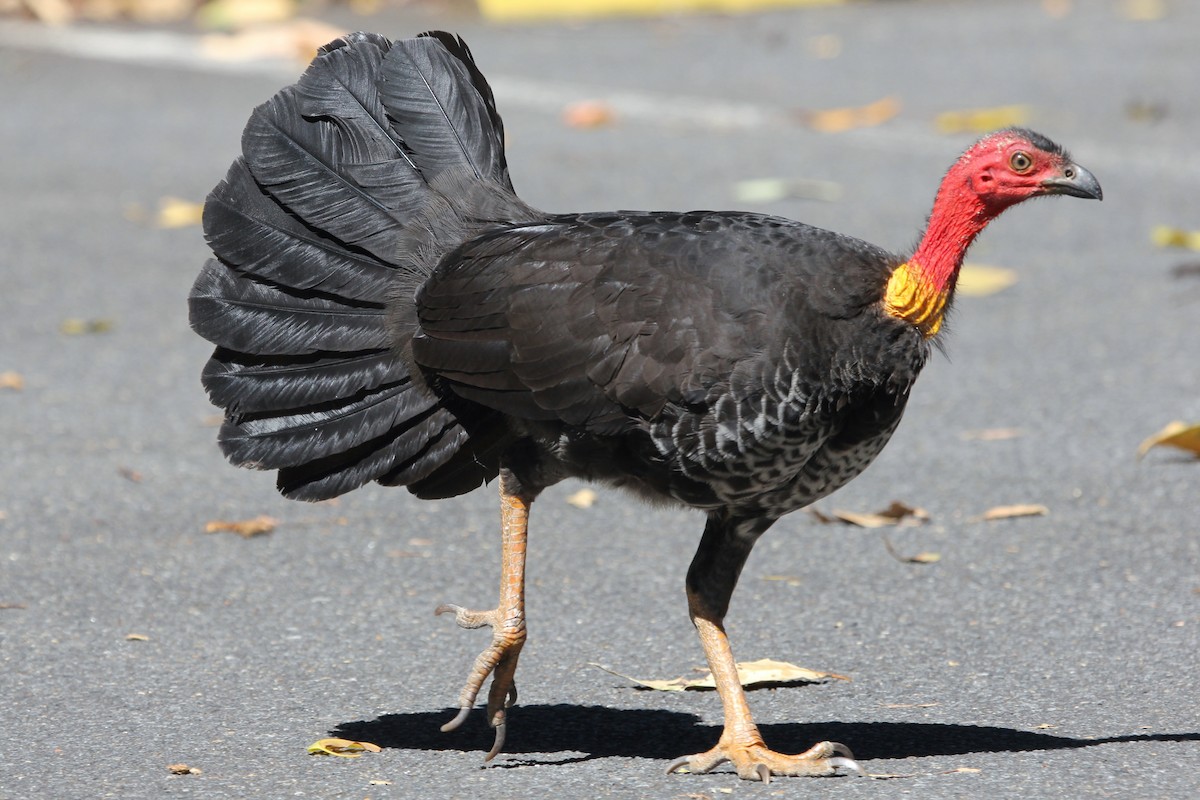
(344, 748)
(245, 528)
(895, 514)
(765, 671)
(1180, 435)
(1013, 511)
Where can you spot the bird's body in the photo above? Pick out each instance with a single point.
(387, 309)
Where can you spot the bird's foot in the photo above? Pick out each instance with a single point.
(753, 761)
(499, 659)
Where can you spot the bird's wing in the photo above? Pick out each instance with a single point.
(596, 321)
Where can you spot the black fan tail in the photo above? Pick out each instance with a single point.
(351, 186)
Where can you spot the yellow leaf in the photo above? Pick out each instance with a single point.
(980, 280)
(584, 498)
(1019, 510)
(1143, 10)
(244, 527)
(1168, 236)
(837, 120)
(176, 213)
(79, 327)
(136, 637)
(981, 120)
(243, 13)
(341, 747)
(1177, 434)
(750, 673)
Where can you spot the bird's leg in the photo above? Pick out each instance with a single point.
(507, 620)
(710, 582)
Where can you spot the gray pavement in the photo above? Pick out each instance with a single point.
(1045, 657)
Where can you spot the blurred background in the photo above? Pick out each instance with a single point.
(1032, 633)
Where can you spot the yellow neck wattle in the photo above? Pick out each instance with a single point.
(911, 297)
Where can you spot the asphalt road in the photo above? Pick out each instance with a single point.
(1042, 657)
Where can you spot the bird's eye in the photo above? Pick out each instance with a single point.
(1020, 162)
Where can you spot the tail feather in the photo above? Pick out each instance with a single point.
(341, 180)
(433, 90)
(289, 439)
(399, 456)
(246, 384)
(248, 228)
(249, 316)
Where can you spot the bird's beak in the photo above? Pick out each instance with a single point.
(1075, 181)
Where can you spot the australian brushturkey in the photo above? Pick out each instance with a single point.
(386, 309)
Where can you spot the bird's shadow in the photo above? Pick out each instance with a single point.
(600, 732)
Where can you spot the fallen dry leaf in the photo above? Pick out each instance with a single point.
(130, 474)
(1056, 8)
(770, 190)
(981, 280)
(588, 114)
(73, 326)
(176, 213)
(919, 558)
(136, 637)
(837, 120)
(244, 527)
(1168, 236)
(226, 14)
(1143, 10)
(790, 580)
(1177, 434)
(183, 769)
(824, 46)
(894, 514)
(13, 606)
(12, 380)
(297, 39)
(1008, 512)
(981, 120)
(341, 747)
(584, 498)
(1189, 269)
(992, 434)
(750, 673)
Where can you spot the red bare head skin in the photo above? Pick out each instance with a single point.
(995, 173)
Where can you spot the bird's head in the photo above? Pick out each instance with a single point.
(995, 173)
(1008, 166)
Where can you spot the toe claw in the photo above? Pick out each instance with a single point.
(837, 748)
(846, 763)
(679, 763)
(458, 719)
(764, 773)
(498, 744)
(446, 608)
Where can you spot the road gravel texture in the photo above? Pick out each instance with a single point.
(1041, 657)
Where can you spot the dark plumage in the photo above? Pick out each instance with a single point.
(386, 309)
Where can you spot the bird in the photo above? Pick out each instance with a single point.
(386, 309)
